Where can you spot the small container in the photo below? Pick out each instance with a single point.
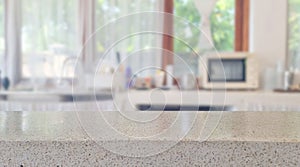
(272, 80)
(188, 82)
(143, 82)
(159, 79)
(119, 80)
(148, 82)
(296, 78)
(288, 80)
(169, 76)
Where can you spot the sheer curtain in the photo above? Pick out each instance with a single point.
(2, 36)
(123, 27)
(49, 36)
(86, 31)
(12, 66)
(41, 35)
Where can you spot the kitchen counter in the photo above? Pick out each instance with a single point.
(242, 100)
(55, 95)
(136, 138)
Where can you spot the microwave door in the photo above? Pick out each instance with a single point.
(227, 70)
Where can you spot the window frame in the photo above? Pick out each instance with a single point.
(242, 13)
(241, 31)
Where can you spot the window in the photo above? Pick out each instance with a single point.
(228, 24)
(294, 34)
(49, 32)
(222, 24)
(135, 50)
(48, 36)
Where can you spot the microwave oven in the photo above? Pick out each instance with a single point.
(238, 70)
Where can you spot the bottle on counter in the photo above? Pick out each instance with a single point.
(169, 75)
(287, 80)
(128, 75)
(5, 83)
(159, 78)
(119, 79)
(280, 75)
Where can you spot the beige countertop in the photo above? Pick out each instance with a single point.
(184, 125)
(184, 138)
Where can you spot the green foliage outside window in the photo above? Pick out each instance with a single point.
(294, 33)
(222, 28)
(222, 25)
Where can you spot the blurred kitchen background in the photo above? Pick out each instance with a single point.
(79, 48)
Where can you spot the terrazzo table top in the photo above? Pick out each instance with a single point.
(72, 125)
(149, 138)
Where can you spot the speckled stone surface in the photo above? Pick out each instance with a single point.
(69, 139)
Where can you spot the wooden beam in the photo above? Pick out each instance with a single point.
(168, 32)
(246, 15)
(242, 25)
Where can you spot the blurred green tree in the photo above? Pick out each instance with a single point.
(222, 25)
(222, 28)
(294, 33)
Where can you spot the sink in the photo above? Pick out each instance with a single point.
(148, 107)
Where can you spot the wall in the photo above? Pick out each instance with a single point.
(268, 31)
